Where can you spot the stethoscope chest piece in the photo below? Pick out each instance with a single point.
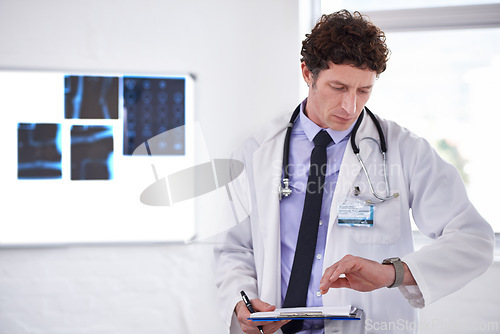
(284, 190)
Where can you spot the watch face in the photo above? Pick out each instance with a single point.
(391, 260)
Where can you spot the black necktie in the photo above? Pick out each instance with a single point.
(296, 293)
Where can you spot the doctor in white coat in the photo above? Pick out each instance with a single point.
(250, 258)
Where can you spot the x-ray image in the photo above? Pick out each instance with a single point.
(91, 152)
(90, 97)
(39, 151)
(153, 106)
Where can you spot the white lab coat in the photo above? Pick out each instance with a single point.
(249, 259)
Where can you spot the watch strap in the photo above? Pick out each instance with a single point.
(399, 271)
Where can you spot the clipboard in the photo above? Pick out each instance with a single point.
(347, 312)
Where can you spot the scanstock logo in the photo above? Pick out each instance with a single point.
(187, 183)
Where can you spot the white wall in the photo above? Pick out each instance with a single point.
(242, 52)
(108, 290)
(245, 56)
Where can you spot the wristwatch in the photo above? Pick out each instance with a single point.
(399, 269)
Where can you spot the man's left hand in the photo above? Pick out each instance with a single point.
(360, 274)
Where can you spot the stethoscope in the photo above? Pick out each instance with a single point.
(284, 187)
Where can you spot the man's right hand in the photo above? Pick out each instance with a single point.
(249, 326)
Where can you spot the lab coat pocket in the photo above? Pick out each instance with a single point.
(386, 227)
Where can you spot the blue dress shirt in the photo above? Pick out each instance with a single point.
(301, 145)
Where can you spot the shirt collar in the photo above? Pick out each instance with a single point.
(311, 129)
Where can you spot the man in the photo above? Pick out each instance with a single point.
(263, 255)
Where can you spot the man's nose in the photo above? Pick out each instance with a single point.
(349, 103)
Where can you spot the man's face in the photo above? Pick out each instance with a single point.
(338, 95)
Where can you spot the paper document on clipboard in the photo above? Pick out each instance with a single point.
(346, 312)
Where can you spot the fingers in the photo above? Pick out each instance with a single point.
(334, 276)
(249, 326)
(356, 273)
(261, 306)
(339, 283)
(324, 283)
(242, 314)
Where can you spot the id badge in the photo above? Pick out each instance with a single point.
(355, 213)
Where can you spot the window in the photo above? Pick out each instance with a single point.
(328, 6)
(445, 93)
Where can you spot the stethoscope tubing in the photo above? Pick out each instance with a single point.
(286, 149)
(285, 191)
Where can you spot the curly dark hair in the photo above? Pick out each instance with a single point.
(345, 38)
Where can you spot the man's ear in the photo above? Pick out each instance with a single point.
(306, 74)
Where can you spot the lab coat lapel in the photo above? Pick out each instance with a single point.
(269, 174)
(267, 178)
(351, 167)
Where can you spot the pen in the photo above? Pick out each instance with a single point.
(250, 307)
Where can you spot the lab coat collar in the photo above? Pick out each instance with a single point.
(311, 129)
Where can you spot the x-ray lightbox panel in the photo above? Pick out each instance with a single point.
(66, 180)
